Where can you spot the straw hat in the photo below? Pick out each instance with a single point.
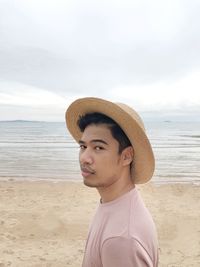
(143, 163)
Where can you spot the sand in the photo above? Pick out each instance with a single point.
(45, 223)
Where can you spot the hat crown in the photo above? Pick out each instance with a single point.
(133, 114)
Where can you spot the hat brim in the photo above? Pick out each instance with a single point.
(143, 165)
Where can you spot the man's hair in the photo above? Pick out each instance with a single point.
(97, 118)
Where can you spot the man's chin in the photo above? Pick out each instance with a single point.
(88, 183)
(92, 184)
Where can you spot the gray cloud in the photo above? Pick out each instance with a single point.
(91, 47)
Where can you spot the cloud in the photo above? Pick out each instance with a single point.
(181, 95)
(19, 101)
(23, 95)
(36, 67)
(140, 50)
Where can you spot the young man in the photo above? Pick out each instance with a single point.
(115, 154)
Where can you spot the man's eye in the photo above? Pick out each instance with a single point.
(82, 147)
(98, 148)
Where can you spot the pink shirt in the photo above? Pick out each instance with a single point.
(122, 234)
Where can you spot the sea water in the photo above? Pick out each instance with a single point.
(45, 150)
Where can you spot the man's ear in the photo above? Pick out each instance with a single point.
(127, 155)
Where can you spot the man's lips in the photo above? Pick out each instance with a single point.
(87, 171)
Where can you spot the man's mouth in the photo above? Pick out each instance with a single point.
(85, 171)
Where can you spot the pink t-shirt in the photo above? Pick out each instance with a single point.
(122, 234)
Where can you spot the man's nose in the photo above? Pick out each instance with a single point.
(85, 156)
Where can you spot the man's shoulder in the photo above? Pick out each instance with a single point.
(125, 248)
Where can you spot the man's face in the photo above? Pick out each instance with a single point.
(100, 162)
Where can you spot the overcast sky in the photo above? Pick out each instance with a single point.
(144, 53)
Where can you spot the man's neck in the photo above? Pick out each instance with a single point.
(113, 192)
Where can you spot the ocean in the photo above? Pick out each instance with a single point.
(45, 150)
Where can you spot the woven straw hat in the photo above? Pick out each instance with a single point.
(143, 163)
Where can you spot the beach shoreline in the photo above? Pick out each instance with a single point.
(45, 223)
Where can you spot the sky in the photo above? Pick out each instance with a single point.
(140, 52)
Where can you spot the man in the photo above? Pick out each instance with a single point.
(115, 154)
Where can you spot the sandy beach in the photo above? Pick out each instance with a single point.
(45, 223)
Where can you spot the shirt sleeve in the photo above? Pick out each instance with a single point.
(124, 252)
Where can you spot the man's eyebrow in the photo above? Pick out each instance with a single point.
(99, 141)
(81, 142)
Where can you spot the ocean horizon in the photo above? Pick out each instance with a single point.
(35, 150)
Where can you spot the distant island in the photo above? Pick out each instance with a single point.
(25, 121)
